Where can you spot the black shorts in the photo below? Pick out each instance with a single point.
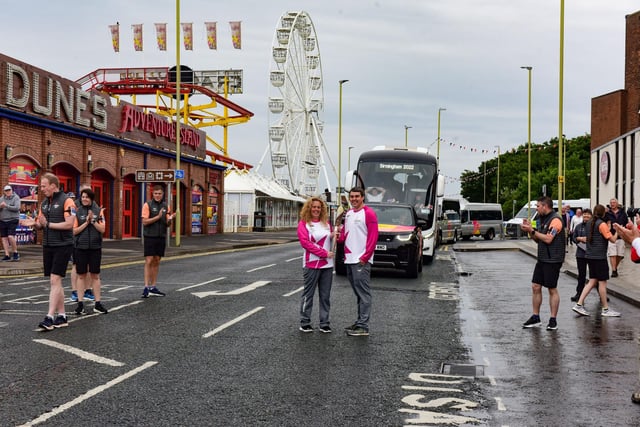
(8, 228)
(154, 246)
(598, 269)
(56, 259)
(87, 258)
(546, 274)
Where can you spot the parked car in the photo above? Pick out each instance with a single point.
(450, 228)
(399, 244)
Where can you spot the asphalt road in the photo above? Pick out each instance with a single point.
(223, 348)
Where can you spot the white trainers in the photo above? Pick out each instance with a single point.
(580, 310)
(609, 313)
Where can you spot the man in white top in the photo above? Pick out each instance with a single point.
(575, 220)
(359, 234)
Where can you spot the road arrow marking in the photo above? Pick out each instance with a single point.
(248, 288)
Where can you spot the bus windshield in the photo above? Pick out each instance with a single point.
(400, 181)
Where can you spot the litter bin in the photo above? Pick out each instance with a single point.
(259, 220)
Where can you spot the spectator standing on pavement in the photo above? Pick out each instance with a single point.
(359, 234)
(632, 236)
(579, 237)
(598, 233)
(314, 234)
(9, 218)
(56, 218)
(615, 250)
(156, 217)
(550, 237)
(88, 291)
(575, 220)
(88, 230)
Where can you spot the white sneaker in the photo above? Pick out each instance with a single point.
(610, 313)
(580, 309)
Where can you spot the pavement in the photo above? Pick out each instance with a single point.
(125, 251)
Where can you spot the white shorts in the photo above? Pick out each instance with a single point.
(616, 249)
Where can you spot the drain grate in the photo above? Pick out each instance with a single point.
(465, 370)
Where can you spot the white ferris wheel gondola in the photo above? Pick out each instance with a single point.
(296, 102)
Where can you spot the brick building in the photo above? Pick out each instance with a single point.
(615, 130)
(50, 124)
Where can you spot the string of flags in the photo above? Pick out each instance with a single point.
(211, 29)
(495, 150)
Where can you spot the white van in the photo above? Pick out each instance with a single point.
(512, 227)
(481, 219)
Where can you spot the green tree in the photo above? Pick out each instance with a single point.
(480, 185)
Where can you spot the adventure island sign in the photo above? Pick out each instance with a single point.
(39, 93)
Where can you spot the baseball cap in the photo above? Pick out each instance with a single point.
(7, 187)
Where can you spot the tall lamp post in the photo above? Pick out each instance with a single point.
(349, 158)
(529, 69)
(498, 180)
(406, 135)
(560, 109)
(438, 153)
(340, 143)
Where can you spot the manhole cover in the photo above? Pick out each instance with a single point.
(465, 370)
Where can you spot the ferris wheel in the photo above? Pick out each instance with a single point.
(296, 102)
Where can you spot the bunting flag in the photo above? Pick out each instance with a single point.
(137, 37)
(187, 35)
(212, 39)
(115, 36)
(236, 35)
(161, 36)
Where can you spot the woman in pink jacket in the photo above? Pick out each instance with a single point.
(314, 233)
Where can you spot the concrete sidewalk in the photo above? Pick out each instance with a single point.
(626, 286)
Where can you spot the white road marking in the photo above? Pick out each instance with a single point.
(294, 292)
(119, 289)
(201, 284)
(501, 406)
(293, 259)
(492, 380)
(416, 387)
(244, 289)
(260, 268)
(93, 392)
(232, 322)
(80, 353)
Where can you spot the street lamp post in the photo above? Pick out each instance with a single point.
(529, 69)
(340, 143)
(438, 153)
(560, 109)
(498, 180)
(406, 135)
(349, 158)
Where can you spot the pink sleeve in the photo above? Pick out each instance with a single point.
(372, 234)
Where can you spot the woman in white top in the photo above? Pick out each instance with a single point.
(314, 233)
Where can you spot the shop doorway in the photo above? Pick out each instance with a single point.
(100, 184)
(130, 210)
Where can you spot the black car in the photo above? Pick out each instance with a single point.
(399, 244)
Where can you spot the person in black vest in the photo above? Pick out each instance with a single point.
(551, 240)
(56, 218)
(579, 237)
(156, 217)
(88, 230)
(598, 235)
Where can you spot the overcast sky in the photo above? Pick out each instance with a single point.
(404, 60)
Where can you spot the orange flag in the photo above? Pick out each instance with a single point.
(161, 36)
(236, 34)
(137, 37)
(212, 38)
(115, 36)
